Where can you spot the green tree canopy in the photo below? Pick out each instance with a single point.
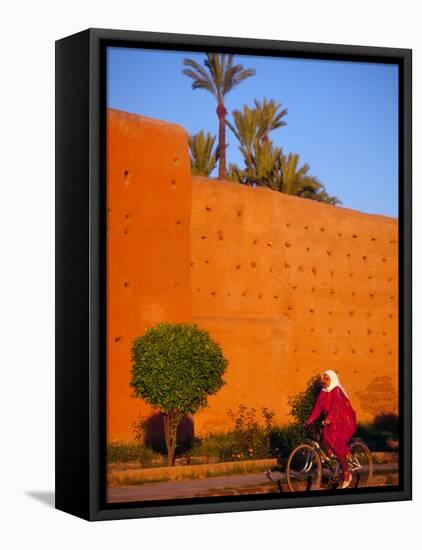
(175, 367)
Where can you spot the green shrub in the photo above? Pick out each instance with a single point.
(283, 439)
(121, 452)
(301, 404)
(247, 441)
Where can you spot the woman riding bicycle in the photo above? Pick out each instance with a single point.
(339, 423)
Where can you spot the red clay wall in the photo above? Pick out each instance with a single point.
(148, 247)
(288, 286)
(291, 288)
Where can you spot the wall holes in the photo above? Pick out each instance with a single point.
(370, 277)
(176, 160)
(339, 234)
(353, 294)
(260, 296)
(330, 313)
(275, 297)
(350, 274)
(354, 236)
(351, 313)
(348, 254)
(300, 268)
(269, 243)
(220, 235)
(253, 264)
(384, 260)
(371, 350)
(349, 333)
(127, 216)
(126, 231)
(313, 289)
(176, 284)
(178, 222)
(364, 258)
(305, 227)
(332, 273)
(389, 352)
(228, 294)
(192, 264)
(173, 184)
(126, 177)
(208, 209)
(207, 261)
(118, 339)
(389, 279)
(383, 333)
(287, 244)
(255, 242)
(126, 284)
(331, 291)
(294, 287)
(312, 330)
(244, 293)
(390, 316)
(198, 289)
(330, 330)
(308, 249)
(286, 265)
(311, 311)
(213, 293)
(239, 213)
(373, 239)
(322, 228)
(328, 252)
(353, 351)
(314, 270)
(313, 351)
(371, 295)
(203, 237)
(238, 266)
(287, 225)
(289, 308)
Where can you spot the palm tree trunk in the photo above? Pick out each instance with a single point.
(221, 113)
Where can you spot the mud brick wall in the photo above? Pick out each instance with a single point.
(148, 247)
(288, 286)
(291, 288)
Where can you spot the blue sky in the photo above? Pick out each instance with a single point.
(342, 116)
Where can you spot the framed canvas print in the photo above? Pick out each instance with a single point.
(233, 274)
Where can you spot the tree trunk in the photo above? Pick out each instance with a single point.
(171, 422)
(221, 113)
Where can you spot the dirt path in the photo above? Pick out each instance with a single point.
(385, 474)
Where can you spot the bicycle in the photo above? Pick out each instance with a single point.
(310, 467)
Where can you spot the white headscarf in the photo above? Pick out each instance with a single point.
(334, 382)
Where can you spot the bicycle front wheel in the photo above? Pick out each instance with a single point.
(304, 469)
(361, 465)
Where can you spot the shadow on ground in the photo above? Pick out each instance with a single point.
(45, 497)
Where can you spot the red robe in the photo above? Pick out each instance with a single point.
(340, 420)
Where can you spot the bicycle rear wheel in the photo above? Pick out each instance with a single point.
(361, 465)
(304, 469)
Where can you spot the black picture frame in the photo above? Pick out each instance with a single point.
(80, 270)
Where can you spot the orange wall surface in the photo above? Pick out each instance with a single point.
(289, 287)
(148, 247)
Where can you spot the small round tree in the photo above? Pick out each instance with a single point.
(175, 367)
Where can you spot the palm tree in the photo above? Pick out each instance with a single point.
(251, 127)
(296, 181)
(269, 117)
(203, 156)
(218, 77)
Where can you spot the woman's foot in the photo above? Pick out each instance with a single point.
(347, 480)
